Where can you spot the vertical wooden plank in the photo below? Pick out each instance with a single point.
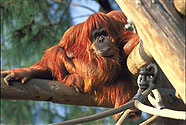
(162, 36)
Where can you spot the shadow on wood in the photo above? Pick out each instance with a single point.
(162, 31)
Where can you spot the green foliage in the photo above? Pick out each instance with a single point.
(16, 112)
(29, 27)
(73, 112)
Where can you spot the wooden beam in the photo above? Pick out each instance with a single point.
(162, 31)
(56, 92)
(47, 90)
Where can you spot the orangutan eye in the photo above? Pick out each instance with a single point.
(104, 32)
(96, 34)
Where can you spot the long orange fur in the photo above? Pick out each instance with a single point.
(73, 63)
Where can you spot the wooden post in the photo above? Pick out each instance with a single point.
(162, 31)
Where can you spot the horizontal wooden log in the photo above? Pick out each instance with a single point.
(162, 32)
(56, 92)
(46, 90)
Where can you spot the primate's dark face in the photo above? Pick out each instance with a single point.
(102, 44)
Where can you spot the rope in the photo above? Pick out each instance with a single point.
(146, 82)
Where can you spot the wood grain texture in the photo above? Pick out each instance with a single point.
(162, 34)
(56, 92)
(47, 90)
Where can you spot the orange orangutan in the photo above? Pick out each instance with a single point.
(91, 57)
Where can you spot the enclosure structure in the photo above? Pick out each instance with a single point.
(162, 31)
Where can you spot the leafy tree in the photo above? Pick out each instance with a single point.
(28, 27)
(16, 112)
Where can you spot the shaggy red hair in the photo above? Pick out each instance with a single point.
(73, 62)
